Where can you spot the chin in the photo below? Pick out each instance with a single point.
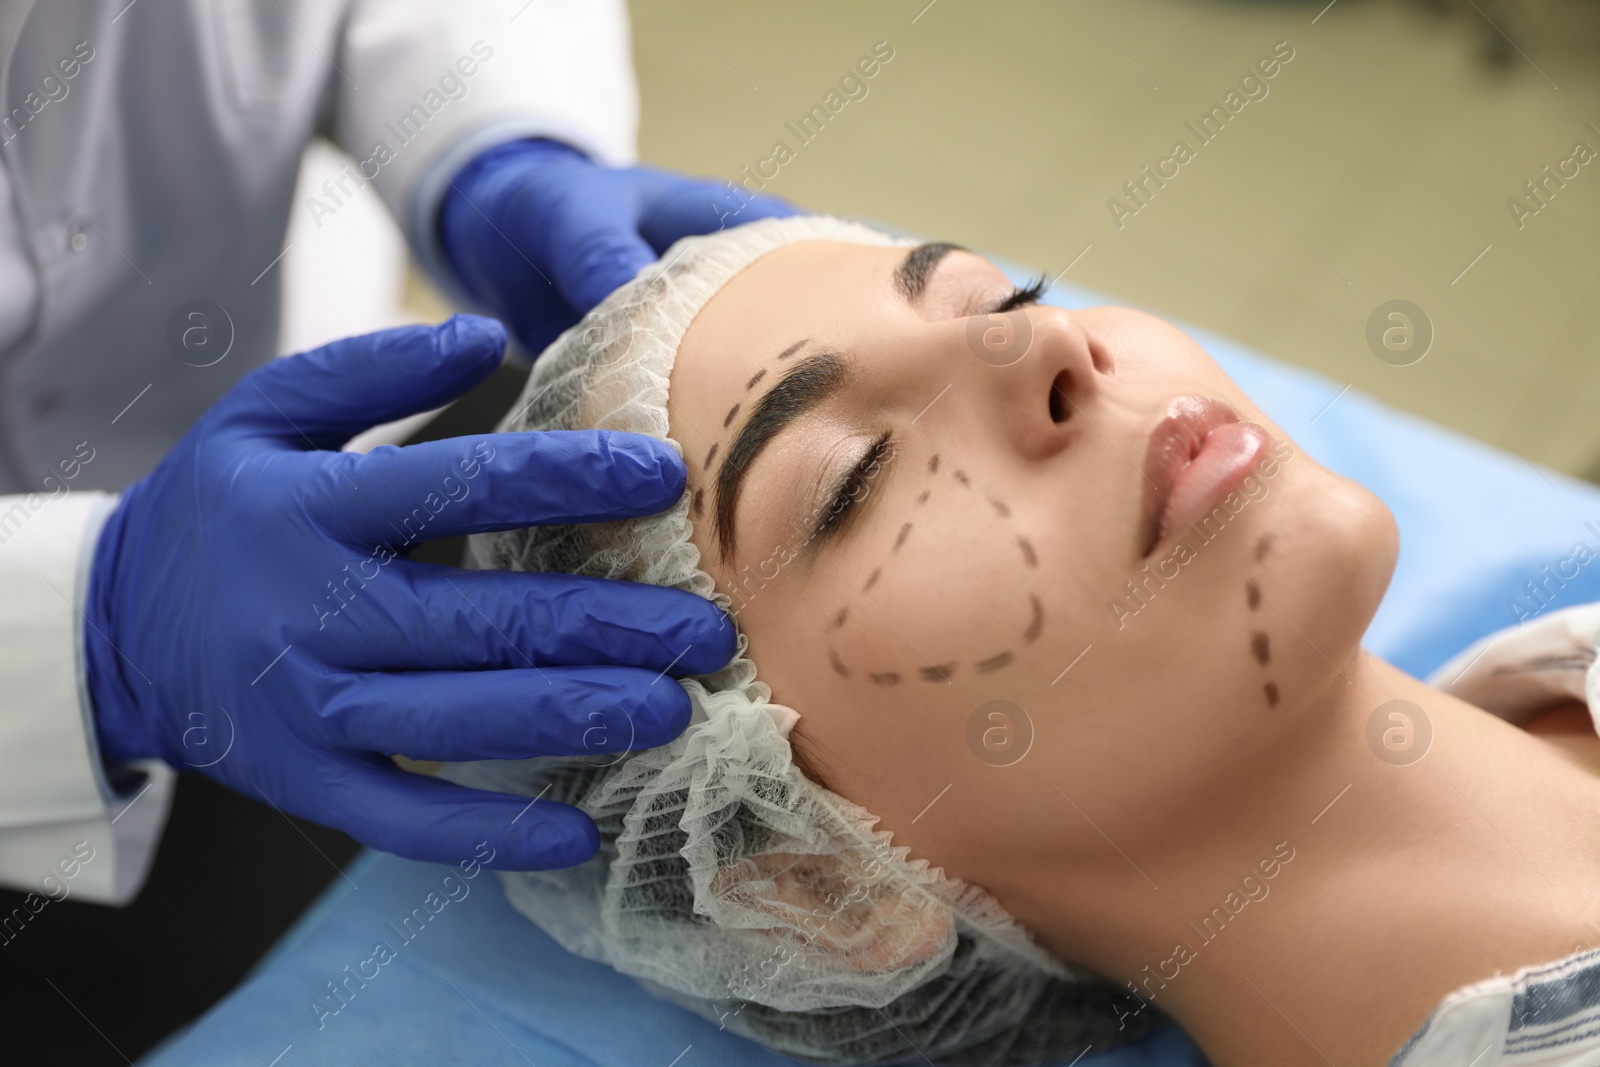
(1341, 550)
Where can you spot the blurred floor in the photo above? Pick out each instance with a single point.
(1378, 166)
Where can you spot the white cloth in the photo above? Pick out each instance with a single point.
(1546, 1015)
(148, 156)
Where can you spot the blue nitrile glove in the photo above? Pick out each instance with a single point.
(540, 234)
(247, 616)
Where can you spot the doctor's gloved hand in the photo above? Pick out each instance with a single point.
(252, 613)
(540, 233)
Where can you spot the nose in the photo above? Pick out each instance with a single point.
(1049, 377)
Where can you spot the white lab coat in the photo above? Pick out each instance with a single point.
(148, 156)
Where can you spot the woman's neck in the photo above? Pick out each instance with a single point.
(1329, 905)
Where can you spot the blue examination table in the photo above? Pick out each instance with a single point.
(480, 984)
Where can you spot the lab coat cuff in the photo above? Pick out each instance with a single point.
(64, 829)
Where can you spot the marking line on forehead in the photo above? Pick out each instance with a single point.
(804, 387)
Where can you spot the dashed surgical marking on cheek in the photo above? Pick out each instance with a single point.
(838, 664)
(1271, 689)
(711, 455)
(1263, 546)
(940, 672)
(1036, 624)
(754, 378)
(995, 662)
(1252, 594)
(1261, 647)
(727, 420)
(697, 503)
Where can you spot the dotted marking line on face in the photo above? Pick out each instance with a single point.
(711, 455)
(727, 420)
(1260, 643)
(754, 378)
(838, 665)
(995, 662)
(1036, 624)
(942, 672)
(697, 503)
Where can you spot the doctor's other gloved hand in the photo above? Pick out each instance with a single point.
(252, 612)
(539, 233)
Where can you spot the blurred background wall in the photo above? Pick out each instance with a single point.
(1378, 166)
(1379, 163)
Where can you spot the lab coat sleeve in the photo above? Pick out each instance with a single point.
(429, 85)
(64, 831)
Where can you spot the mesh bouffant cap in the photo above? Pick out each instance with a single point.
(727, 880)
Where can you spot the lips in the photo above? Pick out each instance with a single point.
(1198, 454)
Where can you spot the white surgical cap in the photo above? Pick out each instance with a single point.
(727, 881)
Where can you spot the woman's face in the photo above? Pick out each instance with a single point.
(936, 523)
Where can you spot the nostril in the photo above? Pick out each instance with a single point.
(1060, 407)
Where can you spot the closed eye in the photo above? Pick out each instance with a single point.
(853, 487)
(1021, 297)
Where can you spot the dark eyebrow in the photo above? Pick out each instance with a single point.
(807, 384)
(911, 277)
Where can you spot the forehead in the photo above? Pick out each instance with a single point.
(830, 293)
(816, 290)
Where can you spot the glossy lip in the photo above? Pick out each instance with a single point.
(1174, 443)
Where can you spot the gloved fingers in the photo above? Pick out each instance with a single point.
(324, 397)
(582, 233)
(430, 618)
(675, 207)
(498, 481)
(507, 714)
(434, 821)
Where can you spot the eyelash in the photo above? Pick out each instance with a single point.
(844, 496)
(1030, 294)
